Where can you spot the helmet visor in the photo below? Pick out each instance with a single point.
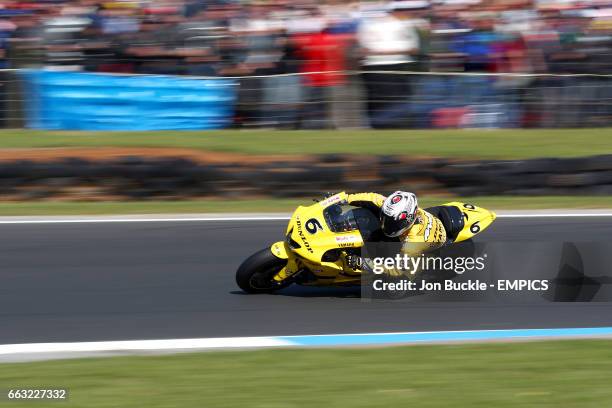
(392, 227)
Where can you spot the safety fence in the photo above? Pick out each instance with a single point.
(316, 100)
(143, 178)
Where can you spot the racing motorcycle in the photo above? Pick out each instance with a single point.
(320, 236)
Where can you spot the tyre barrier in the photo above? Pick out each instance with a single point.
(142, 178)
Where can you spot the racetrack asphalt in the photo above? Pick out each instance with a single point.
(157, 280)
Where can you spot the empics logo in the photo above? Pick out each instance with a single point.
(522, 284)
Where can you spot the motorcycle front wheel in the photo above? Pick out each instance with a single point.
(256, 273)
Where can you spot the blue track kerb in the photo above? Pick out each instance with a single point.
(442, 336)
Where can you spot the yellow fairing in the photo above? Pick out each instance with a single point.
(279, 250)
(476, 219)
(309, 238)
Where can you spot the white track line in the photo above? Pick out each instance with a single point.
(247, 217)
(50, 351)
(144, 345)
(116, 220)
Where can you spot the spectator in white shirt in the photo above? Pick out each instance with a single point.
(389, 42)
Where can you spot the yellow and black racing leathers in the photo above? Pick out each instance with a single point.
(426, 234)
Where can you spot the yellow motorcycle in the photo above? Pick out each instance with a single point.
(320, 236)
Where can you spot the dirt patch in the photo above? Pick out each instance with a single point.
(109, 153)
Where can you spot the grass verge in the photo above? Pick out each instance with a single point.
(277, 205)
(537, 374)
(440, 143)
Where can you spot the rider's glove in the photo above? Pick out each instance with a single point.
(355, 262)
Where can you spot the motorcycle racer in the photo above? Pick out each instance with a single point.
(320, 238)
(400, 218)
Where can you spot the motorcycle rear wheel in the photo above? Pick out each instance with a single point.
(256, 273)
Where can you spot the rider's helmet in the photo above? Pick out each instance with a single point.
(398, 213)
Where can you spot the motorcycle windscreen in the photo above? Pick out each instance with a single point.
(345, 218)
(340, 218)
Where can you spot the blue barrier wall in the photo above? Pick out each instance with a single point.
(92, 101)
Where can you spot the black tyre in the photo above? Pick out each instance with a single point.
(256, 272)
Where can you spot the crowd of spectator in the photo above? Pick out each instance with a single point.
(348, 64)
